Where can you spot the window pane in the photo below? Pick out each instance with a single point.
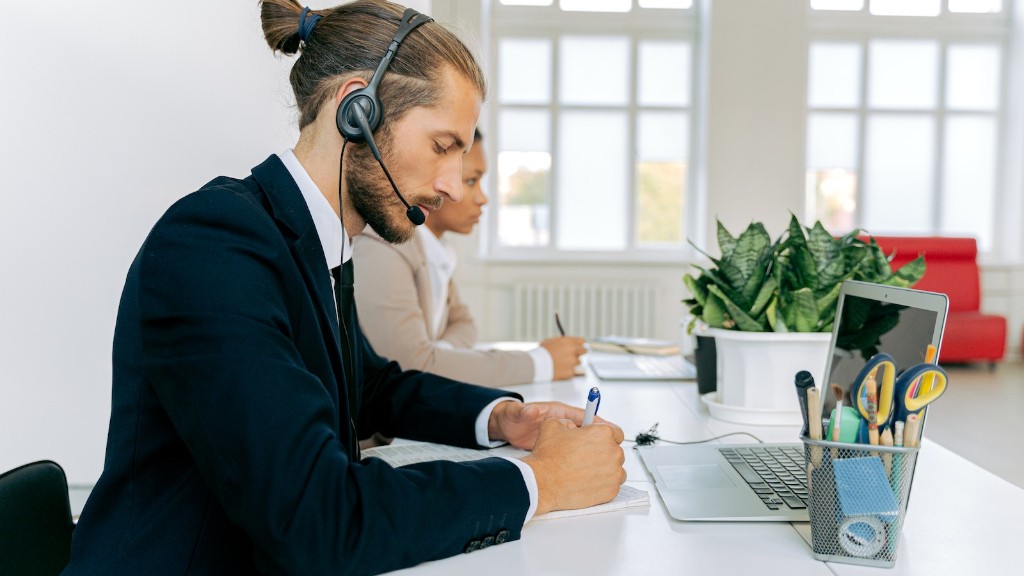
(661, 177)
(662, 136)
(666, 3)
(906, 7)
(595, 5)
(976, 6)
(903, 74)
(831, 178)
(664, 75)
(898, 174)
(969, 178)
(524, 130)
(594, 70)
(526, 2)
(524, 167)
(834, 75)
(831, 140)
(592, 184)
(524, 71)
(837, 4)
(972, 82)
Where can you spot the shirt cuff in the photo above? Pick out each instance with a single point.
(531, 485)
(543, 365)
(482, 438)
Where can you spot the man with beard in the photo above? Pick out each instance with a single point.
(241, 381)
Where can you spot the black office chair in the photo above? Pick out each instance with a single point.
(35, 520)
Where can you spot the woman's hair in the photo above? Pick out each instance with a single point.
(350, 40)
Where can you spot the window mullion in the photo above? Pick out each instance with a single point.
(940, 138)
(632, 110)
(862, 122)
(554, 137)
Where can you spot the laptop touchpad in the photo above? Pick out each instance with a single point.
(691, 477)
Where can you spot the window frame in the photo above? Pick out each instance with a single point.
(551, 23)
(959, 29)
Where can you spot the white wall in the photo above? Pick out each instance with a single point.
(109, 111)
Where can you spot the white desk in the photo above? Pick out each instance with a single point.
(961, 519)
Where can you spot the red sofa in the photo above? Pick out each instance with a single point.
(952, 269)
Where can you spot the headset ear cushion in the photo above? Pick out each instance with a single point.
(346, 119)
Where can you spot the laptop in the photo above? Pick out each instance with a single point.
(713, 481)
(640, 367)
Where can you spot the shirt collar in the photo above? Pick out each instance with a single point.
(328, 228)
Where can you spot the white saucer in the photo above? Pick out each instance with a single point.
(741, 415)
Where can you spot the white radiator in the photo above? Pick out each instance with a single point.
(586, 310)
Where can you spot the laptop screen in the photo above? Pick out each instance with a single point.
(874, 318)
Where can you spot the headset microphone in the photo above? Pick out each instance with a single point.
(361, 112)
(413, 213)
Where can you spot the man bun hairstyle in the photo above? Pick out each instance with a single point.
(349, 41)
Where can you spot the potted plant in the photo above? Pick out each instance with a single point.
(770, 305)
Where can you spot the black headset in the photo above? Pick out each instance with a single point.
(361, 112)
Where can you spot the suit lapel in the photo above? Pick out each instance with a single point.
(288, 207)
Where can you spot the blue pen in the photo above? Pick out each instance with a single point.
(593, 401)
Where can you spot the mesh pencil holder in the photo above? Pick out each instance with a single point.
(858, 500)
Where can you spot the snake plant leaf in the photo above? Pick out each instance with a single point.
(805, 310)
(826, 306)
(752, 288)
(764, 296)
(714, 313)
(700, 292)
(908, 274)
(834, 272)
(751, 247)
(776, 319)
(743, 320)
(722, 279)
(822, 246)
(726, 242)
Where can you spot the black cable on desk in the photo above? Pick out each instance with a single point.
(651, 436)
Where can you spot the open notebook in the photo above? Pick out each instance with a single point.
(405, 453)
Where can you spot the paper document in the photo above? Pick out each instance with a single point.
(405, 453)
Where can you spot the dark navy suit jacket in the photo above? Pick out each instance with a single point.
(228, 448)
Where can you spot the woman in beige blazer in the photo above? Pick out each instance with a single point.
(410, 310)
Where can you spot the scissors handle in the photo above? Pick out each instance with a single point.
(882, 369)
(918, 387)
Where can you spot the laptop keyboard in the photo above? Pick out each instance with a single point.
(659, 366)
(776, 473)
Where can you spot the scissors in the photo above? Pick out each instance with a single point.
(882, 369)
(918, 387)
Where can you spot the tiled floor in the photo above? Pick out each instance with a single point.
(981, 417)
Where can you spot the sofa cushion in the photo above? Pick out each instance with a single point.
(973, 336)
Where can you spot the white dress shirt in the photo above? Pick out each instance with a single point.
(334, 241)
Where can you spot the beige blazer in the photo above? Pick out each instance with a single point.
(394, 302)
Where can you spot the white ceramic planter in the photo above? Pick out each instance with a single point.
(756, 371)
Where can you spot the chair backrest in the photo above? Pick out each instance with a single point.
(951, 262)
(35, 520)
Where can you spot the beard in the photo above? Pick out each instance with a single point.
(373, 197)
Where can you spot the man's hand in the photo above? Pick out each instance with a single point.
(565, 354)
(576, 467)
(519, 424)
